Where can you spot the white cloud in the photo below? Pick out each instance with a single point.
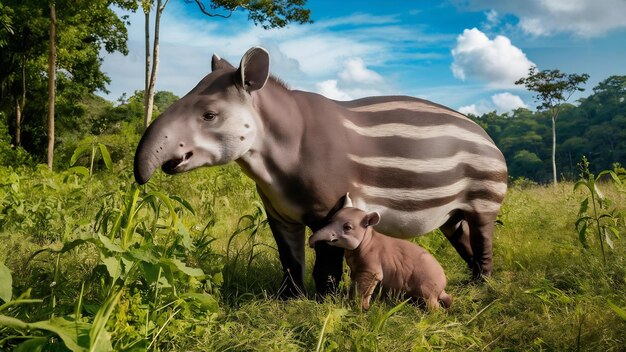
(497, 61)
(330, 90)
(356, 72)
(583, 18)
(505, 102)
(492, 19)
(501, 103)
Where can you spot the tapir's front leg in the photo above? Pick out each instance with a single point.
(290, 241)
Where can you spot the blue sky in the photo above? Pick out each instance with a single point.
(465, 54)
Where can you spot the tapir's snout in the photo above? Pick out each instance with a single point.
(322, 235)
(160, 147)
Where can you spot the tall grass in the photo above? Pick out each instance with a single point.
(547, 292)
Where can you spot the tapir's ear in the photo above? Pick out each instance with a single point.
(347, 203)
(254, 69)
(371, 219)
(219, 63)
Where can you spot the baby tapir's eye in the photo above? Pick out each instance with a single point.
(209, 116)
(347, 227)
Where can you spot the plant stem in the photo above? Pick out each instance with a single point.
(595, 215)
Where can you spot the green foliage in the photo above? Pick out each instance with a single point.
(84, 29)
(269, 14)
(602, 215)
(596, 128)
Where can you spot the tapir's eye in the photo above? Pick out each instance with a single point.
(209, 116)
(347, 227)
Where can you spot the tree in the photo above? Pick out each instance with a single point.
(553, 88)
(52, 61)
(83, 29)
(268, 14)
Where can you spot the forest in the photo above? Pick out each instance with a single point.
(92, 261)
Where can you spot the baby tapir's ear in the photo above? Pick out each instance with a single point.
(371, 219)
(347, 203)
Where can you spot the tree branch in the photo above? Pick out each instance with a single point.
(204, 11)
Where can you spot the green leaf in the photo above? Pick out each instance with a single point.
(166, 200)
(607, 238)
(36, 344)
(182, 267)
(621, 312)
(185, 237)
(582, 234)
(206, 301)
(99, 338)
(105, 156)
(184, 203)
(581, 183)
(584, 205)
(113, 266)
(73, 333)
(145, 254)
(81, 170)
(80, 150)
(108, 244)
(6, 283)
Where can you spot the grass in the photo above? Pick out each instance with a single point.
(547, 292)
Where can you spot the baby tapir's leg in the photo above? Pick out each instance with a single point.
(445, 299)
(366, 283)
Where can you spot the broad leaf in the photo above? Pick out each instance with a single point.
(36, 344)
(81, 170)
(105, 156)
(80, 150)
(206, 301)
(584, 205)
(108, 244)
(144, 253)
(182, 267)
(113, 266)
(6, 283)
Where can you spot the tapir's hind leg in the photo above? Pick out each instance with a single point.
(481, 228)
(457, 232)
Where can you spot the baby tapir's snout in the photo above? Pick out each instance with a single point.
(347, 228)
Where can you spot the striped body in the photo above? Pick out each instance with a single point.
(420, 165)
(440, 162)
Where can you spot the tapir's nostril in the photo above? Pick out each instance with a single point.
(187, 155)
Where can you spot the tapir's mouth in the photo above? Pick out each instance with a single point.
(173, 166)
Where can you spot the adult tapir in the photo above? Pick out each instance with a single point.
(421, 165)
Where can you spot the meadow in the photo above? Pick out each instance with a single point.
(93, 262)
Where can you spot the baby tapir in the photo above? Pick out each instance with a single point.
(372, 257)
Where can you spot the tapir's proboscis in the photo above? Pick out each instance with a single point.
(398, 265)
(420, 165)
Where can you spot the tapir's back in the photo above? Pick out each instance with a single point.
(418, 162)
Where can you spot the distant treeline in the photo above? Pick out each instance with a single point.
(596, 128)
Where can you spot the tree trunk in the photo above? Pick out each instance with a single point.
(155, 64)
(147, 118)
(554, 150)
(18, 123)
(19, 107)
(51, 78)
